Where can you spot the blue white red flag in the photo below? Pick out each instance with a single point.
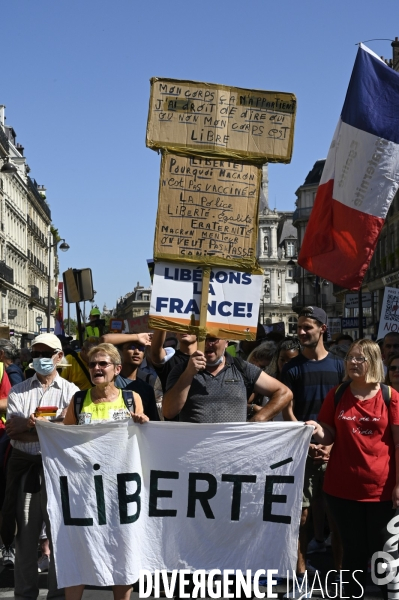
(360, 177)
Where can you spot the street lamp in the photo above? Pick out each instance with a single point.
(8, 168)
(318, 283)
(63, 247)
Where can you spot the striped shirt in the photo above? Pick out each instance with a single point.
(310, 381)
(25, 397)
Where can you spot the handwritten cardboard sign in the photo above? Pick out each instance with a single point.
(233, 300)
(207, 211)
(216, 119)
(138, 324)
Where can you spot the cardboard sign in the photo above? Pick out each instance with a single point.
(389, 320)
(216, 119)
(207, 211)
(138, 324)
(352, 300)
(233, 301)
(116, 326)
(5, 332)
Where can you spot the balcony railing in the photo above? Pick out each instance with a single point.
(32, 187)
(6, 273)
(301, 213)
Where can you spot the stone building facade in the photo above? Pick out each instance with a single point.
(277, 247)
(25, 236)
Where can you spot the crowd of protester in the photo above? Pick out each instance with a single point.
(164, 376)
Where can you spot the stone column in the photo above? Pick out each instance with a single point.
(274, 286)
(282, 279)
(273, 241)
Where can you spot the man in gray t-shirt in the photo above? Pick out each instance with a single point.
(212, 388)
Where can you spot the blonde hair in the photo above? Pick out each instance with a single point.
(108, 349)
(372, 352)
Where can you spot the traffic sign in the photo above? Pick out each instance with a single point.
(39, 320)
(44, 329)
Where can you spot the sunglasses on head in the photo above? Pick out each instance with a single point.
(44, 353)
(103, 364)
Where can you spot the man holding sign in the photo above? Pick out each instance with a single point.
(214, 387)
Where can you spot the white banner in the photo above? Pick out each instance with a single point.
(233, 300)
(124, 497)
(389, 318)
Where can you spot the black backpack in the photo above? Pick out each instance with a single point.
(79, 397)
(339, 392)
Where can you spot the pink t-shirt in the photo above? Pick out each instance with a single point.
(362, 461)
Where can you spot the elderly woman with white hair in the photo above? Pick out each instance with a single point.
(8, 355)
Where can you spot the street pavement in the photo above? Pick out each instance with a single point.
(322, 561)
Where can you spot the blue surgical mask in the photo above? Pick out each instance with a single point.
(43, 366)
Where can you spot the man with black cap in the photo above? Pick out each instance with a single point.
(310, 376)
(25, 504)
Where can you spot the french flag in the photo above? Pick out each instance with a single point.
(360, 177)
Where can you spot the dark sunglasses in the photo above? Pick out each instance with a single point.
(103, 364)
(139, 347)
(43, 353)
(393, 368)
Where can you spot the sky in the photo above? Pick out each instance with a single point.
(75, 82)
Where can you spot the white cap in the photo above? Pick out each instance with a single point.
(48, 339)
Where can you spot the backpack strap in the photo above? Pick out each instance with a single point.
(81, 365)
(240, 365)
(386, 393)
(78, 400)
(128, 398)
(339, 391)
(385, 389)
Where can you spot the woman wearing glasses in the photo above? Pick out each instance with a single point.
(104, 402)
(361, 485)
(392, 376)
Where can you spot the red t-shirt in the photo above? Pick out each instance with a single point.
(362, 461)
(5, 386)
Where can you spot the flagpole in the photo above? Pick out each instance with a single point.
(360, 313)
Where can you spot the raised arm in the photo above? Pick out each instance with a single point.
(122, 338)
(280, 396)
(157, 351)
(176, 396)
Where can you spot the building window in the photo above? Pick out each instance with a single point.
(290, 249)
(292, 323)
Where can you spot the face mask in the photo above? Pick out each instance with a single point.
(216, 362)
(43, 366)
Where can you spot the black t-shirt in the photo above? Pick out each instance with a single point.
(145, 391)
(179, 358)
(310, 381)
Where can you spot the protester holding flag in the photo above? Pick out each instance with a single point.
(361, 418)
